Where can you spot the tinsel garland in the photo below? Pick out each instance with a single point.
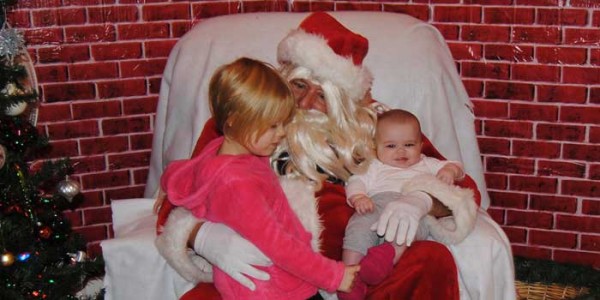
(550, 272)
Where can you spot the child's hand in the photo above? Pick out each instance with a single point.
(159, 201)
(362, 204)
(445, 175)
(349, 275)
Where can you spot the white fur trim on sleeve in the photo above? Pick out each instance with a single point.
(461, 201)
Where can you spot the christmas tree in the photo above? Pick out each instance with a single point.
(41, 257)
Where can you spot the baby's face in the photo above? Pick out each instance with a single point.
(398, 144)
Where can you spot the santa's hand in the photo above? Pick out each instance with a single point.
(234, 255)
(400, 218)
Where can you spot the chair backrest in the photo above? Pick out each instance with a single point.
(409, 59)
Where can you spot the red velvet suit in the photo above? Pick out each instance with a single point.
(426, 270)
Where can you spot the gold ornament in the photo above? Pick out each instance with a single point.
(68, 188)
(8, 259)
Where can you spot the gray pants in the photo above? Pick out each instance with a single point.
(359, 237)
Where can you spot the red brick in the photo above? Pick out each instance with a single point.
(106, 180)
(533, 112)
(68, 91)
(170, 11)
(110, 144)
(97, 216)
(490, 109)
(586, 188)
(419, 11)
(448, 31)
(474, 88)
(508, 200)
(590, 243)
(62, 149)
(536, 35)
(578, 223)
(572, 17)
(582, 36)
(154, 85)
(209, 10)
(532, 252)
(585, 3)
(93, 71)
(516, 53)
(496, 181)
(490, 70)
(121, 88)
(141, 141)
(494, 146)
(88, 164)
(137, 106)
(64, 53)
(558, 168)
(60, 17)
(529, 219)
(307, 6)
(71, 130)
(591, 207)
(92, 233)
(94, 249)
(561, 55)
(553, 203)
(595, 57)
(117, 51)
(509, 129)
(18, 19)
(92, 199)
(282, 6)
(595, 95)
(140, 176)
(38, 4)
(43, 36)
(572, 133)
(535, 149)
(462, 51)
(581, 75)
(129, 160)
(158, 48)
(535, 72)
(596, 18)
(485, 33)
(508, 15)
(553, 238)
(580, 114)
(96, 109)
(147, 67)
(457, 14)
(533, 184)
(179, 28)
(538, 2)
(582, 152)
(74, 218)
(561, 93)
(54, 73)
(496, 214)
(515, 235)
(509, 90)
(143, 31)
(577, 257)
(90, 34)
(594, 172)
(113, 14)
(509, 165)
(54, 112)
(125, 125)
(125, 193)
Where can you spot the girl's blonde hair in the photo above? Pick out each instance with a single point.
(338, 144)
(248, 96)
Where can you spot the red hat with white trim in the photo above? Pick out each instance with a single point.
(330, 51)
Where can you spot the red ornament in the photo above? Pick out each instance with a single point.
(45, 232)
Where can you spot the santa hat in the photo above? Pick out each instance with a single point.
(330, 51)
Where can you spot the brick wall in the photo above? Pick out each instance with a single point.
(532, 68)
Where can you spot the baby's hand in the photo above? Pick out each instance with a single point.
(362, 204)
(446, 175)
(348, 279)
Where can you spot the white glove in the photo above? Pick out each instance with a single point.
(400, 218)
(231, 253)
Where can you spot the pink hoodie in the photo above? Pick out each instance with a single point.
(242, 192)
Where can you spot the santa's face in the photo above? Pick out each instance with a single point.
(398, 144)
(308, 95)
